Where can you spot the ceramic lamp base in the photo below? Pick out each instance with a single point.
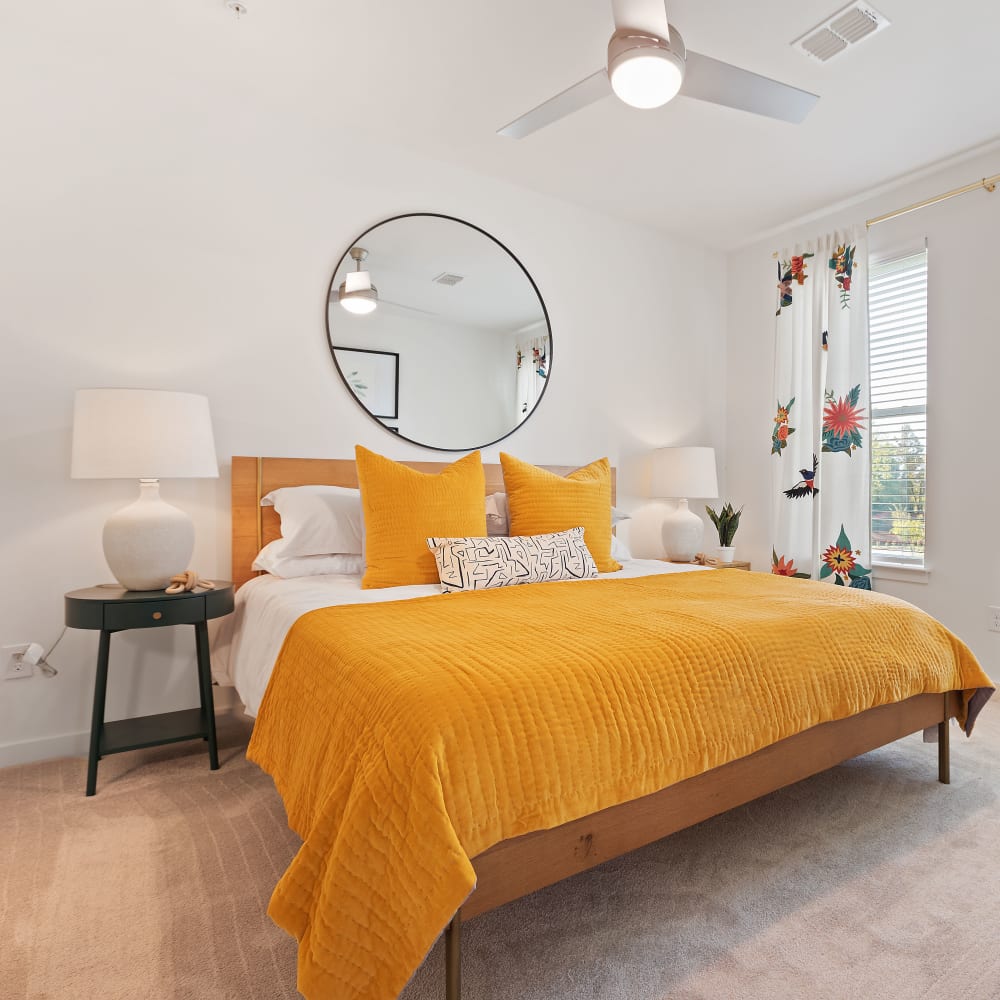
(682, 533)
(149, 541)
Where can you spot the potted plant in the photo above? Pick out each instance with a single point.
(726, 522)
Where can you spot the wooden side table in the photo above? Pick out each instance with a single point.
(113, 609)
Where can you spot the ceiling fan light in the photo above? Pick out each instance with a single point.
(358, 300)
(357, 294)
(645, 72)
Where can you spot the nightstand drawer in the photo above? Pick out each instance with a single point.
(150, 614)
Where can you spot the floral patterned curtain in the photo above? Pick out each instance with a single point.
(532, 358)
(820, 465)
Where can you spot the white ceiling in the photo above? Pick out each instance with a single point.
(406, 255)
(440, 76)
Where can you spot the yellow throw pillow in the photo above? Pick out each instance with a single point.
(403, 508)
(542, 502)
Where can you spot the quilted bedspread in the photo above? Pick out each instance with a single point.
(407, 737)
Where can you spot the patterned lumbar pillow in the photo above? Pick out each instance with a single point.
(483, 563)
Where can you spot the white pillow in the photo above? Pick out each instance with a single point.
(497, 514)
(485, 563)
(317, 520)
(270, 560)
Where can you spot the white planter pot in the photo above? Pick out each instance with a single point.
(724, 553)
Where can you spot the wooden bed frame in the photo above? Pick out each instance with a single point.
(522, 865)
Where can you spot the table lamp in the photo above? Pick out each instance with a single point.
(679, 473)
(144, 434)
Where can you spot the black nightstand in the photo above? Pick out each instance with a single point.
(113, 609)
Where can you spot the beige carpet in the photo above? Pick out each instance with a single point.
(871, 881)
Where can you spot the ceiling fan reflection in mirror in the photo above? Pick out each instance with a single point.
(649, 65)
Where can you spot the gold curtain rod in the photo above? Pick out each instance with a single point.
(987, 183)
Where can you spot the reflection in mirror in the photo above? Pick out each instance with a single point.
(456, 351)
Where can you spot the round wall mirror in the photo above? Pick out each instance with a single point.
(438, 332)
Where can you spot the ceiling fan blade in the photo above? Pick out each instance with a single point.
(411, 309)
(708, 79)
(588, 90)
(649, 16)
(390, 304)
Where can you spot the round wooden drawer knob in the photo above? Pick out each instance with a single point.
(157, 615)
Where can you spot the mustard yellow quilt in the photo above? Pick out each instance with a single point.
(407, 737)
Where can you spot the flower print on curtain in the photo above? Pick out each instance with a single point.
(842, 262)
(781, 429)
(784, 567)
(842, 421)
(840, 561)
(793, 269)
(820, 474)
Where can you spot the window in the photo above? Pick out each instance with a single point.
(897, 307)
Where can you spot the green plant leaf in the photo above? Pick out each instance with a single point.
(843, 542)
(824, 571)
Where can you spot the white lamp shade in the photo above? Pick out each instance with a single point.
(358, 281)
(142, 434)
(684, 472)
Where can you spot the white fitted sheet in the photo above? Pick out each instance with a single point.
(250, 640)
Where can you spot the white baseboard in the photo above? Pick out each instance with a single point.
(45, 748)
(226, 701)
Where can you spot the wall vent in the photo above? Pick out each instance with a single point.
(446, 278)
(847, 27)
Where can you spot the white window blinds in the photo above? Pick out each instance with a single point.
(897, 309)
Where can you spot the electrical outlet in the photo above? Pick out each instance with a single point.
(16, 665)
(993, 618)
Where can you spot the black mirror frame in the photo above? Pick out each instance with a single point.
(329, 333)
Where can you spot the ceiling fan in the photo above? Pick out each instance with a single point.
(649, 65)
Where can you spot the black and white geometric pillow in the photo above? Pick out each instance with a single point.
(484, 563)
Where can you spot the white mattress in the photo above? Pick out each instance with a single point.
(250, 640)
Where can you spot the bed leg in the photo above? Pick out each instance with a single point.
(944, 751)
(453, 958)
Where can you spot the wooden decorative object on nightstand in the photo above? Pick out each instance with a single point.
(715, 564)
(113, 609)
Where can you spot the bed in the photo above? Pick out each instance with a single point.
(509, 867)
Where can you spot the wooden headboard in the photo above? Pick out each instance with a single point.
(254, 526)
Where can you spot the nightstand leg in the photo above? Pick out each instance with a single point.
(97, 720)
(205, 683)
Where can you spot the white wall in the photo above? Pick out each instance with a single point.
(963, 472)
(147, 243)
(456, 383)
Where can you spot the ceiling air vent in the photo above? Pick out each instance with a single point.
(848, 26)
(445, 278)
